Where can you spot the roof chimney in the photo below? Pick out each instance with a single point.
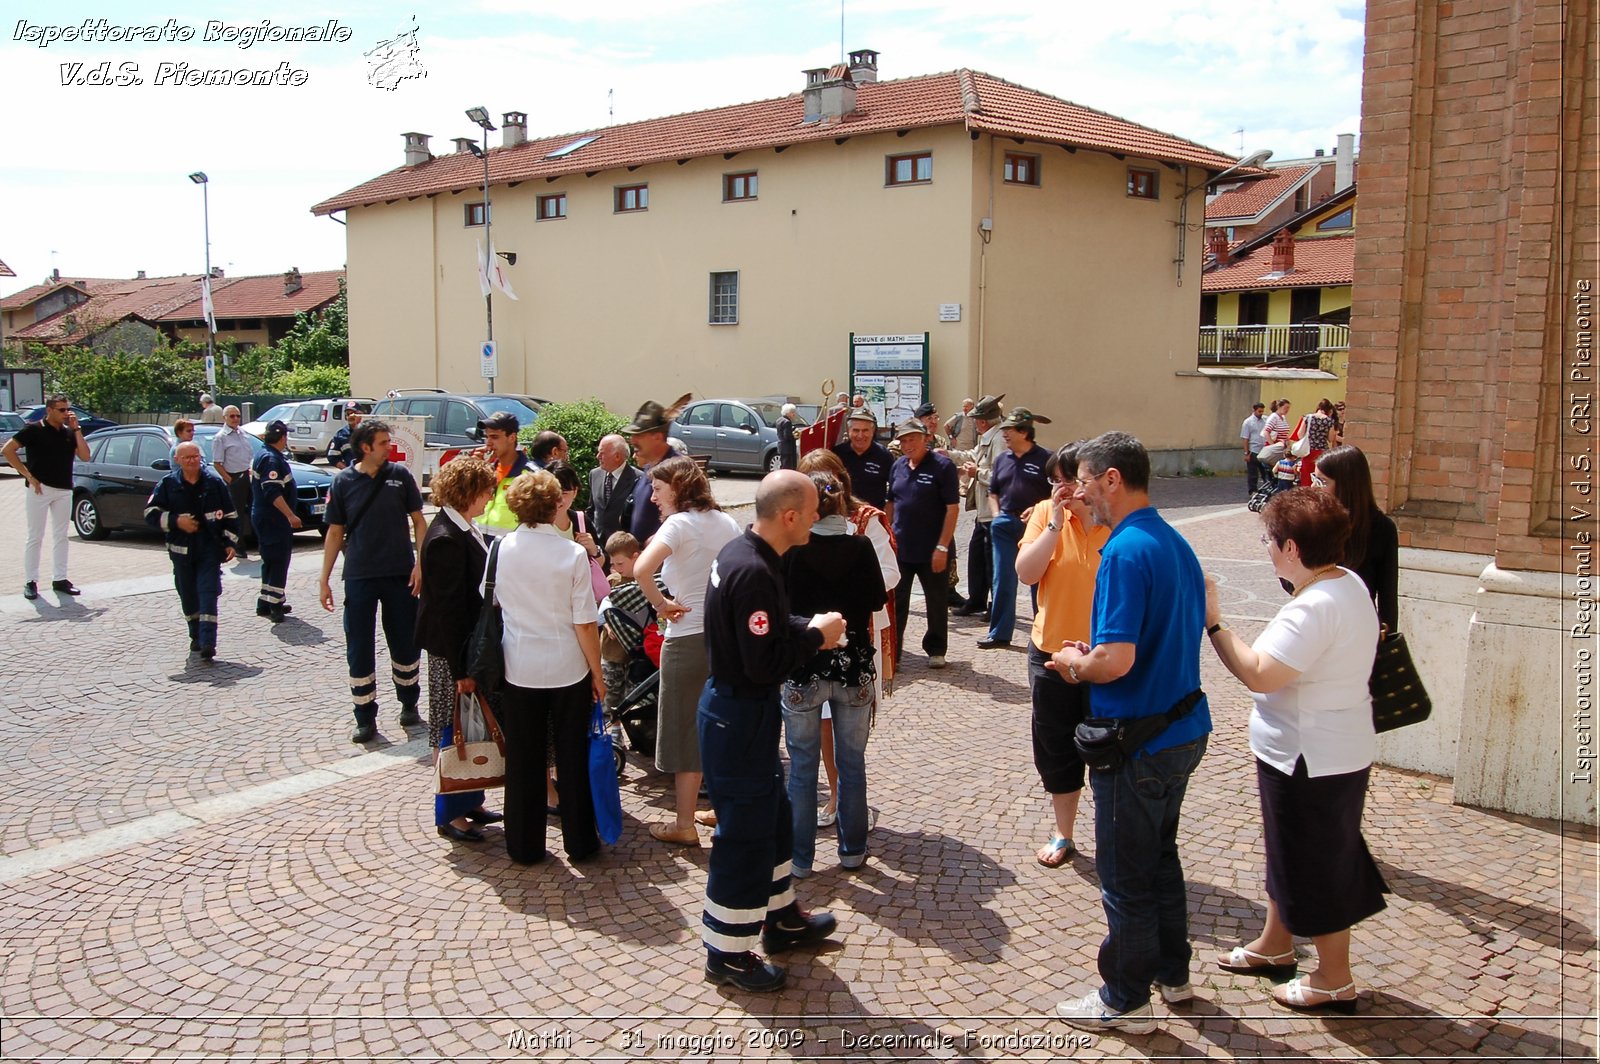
(863, 66)
(464, 144)
(513, 129)
(55, 275)
(1219, 246)
(829, 95)
(140, 276)
(1317, 153)
(1344, 162)
(216, 271)
(417, 151)
(1283, 252)
(292, 282)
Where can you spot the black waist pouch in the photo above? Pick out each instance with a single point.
(1106, 743)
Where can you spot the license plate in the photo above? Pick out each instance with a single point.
(319, 508)
(302, 430)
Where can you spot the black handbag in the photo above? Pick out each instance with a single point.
(1398, 697)
(486, 659)
(1106, 743)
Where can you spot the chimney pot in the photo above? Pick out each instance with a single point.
(140, 276)
(863, 66)
(1219, 246)
(417, 151)
(55, 275)
(292, 281)
(1319, 153)
(464, 144)
(829, 95)
(513, 129)
(1283, 252)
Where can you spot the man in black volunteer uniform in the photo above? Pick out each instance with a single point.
(53, 443)
(369, 504)
(922, 510)
(195, 510)
(272, 495)
(753, 644)
(866, 460)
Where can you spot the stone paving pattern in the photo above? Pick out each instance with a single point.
(333, 923)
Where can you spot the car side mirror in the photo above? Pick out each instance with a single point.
(161, 463)
(476, 432)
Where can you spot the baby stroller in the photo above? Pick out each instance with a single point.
(635, 715)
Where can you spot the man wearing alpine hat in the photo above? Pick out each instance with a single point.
(1016, 483)
(648, 434)
(923, 506)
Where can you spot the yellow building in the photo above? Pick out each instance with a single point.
(734, 252)
(1277, 307)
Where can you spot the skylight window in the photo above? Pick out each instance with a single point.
(568, 149)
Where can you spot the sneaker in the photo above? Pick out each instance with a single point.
(66, 587)
(852, 860)
(936, 661)
(826, 816)
(1091, 1014)
(30, 590)
(1176, 995)
(745, 971)
(796, 928)
(410, 718)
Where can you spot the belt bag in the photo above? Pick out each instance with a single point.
(1106, 743)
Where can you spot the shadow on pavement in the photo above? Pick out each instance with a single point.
(216, 673)
(69, 610)
(1482, 913)
(296, 632)
(1393, 1025)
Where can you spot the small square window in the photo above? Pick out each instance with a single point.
(632, 198)
(551, 207)
(739, 186)
(1021, 169)
(1142, 183)
(910, 169)
(725, 298)
(475, 213)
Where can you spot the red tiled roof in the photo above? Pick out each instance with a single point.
(1253, 198)
(1317, 263)
(34, 293)
(6, 271)
(979, 101)
(261, 297)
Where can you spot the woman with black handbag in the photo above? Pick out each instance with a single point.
(1373, 550)
(453, 556)
(1313, 737)
(550, 643)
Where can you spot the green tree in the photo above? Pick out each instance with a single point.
(582, 424)
(322, 339)
(310, 380)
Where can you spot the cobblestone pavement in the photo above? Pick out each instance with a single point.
(198, 866)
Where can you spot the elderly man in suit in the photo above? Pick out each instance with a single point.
(611, 485)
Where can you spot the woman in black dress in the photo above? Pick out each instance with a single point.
(1373, 550)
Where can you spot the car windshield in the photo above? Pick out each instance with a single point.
(493, 404)
(768, 412)
(10, 422)
(279, 412)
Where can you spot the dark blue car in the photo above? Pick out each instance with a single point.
(89, 422)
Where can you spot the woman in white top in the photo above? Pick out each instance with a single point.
(693, 530)
(1311, 731)
(552, 649)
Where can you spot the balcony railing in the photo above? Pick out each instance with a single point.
(1271, 345)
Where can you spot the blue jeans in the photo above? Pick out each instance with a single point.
(802, 728)
(1136, 811)
(1005, 534)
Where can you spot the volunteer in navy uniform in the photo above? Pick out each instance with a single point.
(923, 499)
(753, 644)
(369, 507)
(1017, 483)
(648, 435)
(867, 461)
(196, 512)
(272, 494)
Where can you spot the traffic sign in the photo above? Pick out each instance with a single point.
(489, 366)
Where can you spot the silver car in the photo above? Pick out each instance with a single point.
(315, 422)
(739, 434)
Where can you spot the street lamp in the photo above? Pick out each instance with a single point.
(480, 116)
(1247, 162)
(199, 178)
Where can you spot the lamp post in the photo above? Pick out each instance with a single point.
(199, 178)
(1245, 163)
(480, 115)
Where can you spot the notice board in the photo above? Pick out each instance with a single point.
(891, 371)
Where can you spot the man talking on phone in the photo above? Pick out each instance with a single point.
(52, 444)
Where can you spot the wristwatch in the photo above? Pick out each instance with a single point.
(1215, 628)
(942, 547)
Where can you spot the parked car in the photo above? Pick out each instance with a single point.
(89, 422)
(110, 490)
(281, 412)
(453, 418)
(9, 424)
(737, 434)
(315, 421)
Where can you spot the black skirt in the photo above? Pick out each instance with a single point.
(1320, 873)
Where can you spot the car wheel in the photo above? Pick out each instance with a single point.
(772, 463)
(86, 518)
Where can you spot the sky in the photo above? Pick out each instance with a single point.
(95, 175)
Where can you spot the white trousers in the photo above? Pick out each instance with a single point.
(56, 503)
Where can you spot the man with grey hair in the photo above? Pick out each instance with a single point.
(962, 428)
(788, 446)
(611, 486)
(210, 412)
(232, 455)
(1148, 613)
(197, 514)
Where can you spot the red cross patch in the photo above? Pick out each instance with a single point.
(759, 623)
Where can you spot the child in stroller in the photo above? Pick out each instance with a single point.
(630, 653)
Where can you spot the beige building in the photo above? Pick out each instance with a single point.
(734, 251)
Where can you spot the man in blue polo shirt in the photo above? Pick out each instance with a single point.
(922, 509)
(1149, 613)
(867, 461)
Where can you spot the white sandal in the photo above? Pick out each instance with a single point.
(1243, 961)
(1296, 991)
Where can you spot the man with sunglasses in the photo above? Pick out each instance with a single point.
(53, 444)
(232, 454)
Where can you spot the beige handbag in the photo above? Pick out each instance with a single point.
(472, 766)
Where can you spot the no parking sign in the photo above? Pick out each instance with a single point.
(489, 366)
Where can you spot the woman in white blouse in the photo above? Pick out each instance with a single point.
(694, 529)
(1311, 731)
(552, 650)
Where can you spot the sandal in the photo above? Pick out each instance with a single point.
(706, 817)
(671, 833)
(1243, 961)
(1057, 852)
(1296, 995)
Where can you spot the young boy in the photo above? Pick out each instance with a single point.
(623, 550)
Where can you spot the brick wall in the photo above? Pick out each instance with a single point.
(1477, 213)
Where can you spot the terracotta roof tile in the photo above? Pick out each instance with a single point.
(1255, 197)
(34, 293)
(260, 297)
(1318, 262)
(6, 271)
(980, 102)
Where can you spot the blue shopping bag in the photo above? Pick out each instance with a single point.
(603, 783)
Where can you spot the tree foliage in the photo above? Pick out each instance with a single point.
(582, 424)
(321, 339)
